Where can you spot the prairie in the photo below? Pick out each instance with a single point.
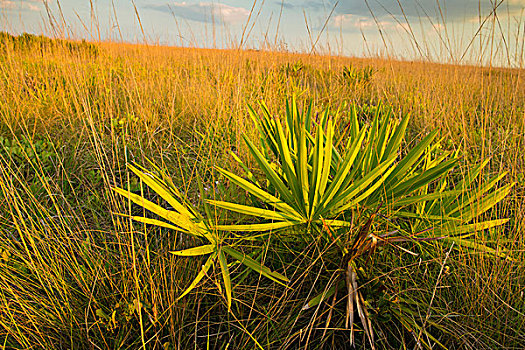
(75, 274)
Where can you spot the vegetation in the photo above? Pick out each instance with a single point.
(334, 193)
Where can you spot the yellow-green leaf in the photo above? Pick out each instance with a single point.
(196, 251)
(205, 268)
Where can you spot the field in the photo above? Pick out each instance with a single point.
(76, 275)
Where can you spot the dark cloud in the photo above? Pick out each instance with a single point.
(285, 5)
(312, 5)
(452, 10)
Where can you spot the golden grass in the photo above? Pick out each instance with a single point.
(72, 263)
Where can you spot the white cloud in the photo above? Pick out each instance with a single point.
(31, 5)
(205, 11)
(350, 21)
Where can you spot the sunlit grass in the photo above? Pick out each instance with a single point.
(75, 275)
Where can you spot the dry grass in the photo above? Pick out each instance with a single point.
(73, 275)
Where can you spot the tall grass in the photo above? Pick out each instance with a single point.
(75, 275)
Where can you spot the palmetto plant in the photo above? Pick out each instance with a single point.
(349, 187)
(184, 218)
(356, 76)
(357, 189)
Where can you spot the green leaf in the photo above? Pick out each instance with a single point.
(343, 171)
(468, 243)
(486, 202)
(411, 157)
(424, 198)
(343, 201)
(459, 231)
(156, 185)
(180, 220)
(256, 266)
(205, 268)
(426, 177)
(327, 293)
(207, 210)
(253, 211)
(261, 194)
(288, 168)
(302, 167)
(327, 161)
(248, 172)
(202, 250)
(155, 222)
(465, 182)
(272, 176)
(333, 223)
(270, 226)
(478, 226)
(315, 179)
(397, 138)
(425, 216)
(226, 278)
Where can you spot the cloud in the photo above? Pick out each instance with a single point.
(205, 11)
(300, 5)
(284, 5)
(30, 5)
(349, 23)
(452, 10)
(353, 15)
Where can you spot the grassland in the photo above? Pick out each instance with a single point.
(75, 275)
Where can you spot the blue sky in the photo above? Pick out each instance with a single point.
(435, 29)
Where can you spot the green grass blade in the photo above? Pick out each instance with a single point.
(318, 299)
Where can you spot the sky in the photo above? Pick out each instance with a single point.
(459, 31)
